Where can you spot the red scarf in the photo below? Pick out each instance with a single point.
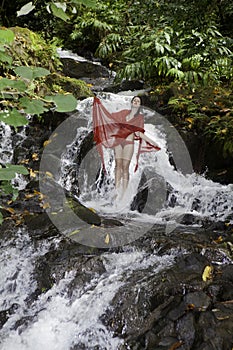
(110, 129)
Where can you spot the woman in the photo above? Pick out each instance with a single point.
(119, 131)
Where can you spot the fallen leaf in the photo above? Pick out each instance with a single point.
(35, 156)
(32, 173)
(49, 174)
(176, 345)
(207, 273)
(73, 233)
(218, 240)
(222, 318)
(24, 161)
(190, 306)
(29, 195)
(107, 239)
(46, 143)
(11, 210)
(45, 205)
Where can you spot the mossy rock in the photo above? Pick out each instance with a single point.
(30, 49)
(59, 83)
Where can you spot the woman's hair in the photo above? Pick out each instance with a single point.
(139, 108)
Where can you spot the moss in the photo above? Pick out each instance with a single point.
(30, 49)
(59, 83)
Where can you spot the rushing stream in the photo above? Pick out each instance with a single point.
(60, 320)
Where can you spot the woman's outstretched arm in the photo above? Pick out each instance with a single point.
(146, 138)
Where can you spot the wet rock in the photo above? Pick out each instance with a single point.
(83, 69)
(5, 314)
(151, 194)
(109, 222)
(191, 219)
(125, 85)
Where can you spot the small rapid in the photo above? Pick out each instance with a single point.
(58, 320)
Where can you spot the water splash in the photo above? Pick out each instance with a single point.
(6, 148)
(60, 321)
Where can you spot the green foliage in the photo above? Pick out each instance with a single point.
(63, 103)
(10, 170)
(30, 49)
(62, 10)
(31, 73)
(6, 38)
(21, 91)
(207, 112)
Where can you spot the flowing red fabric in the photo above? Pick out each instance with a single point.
(111, 129)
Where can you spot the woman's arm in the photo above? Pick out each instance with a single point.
(146, 138)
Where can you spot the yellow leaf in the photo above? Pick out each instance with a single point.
(190, 120)
(11, 210)
(35, 156)
(107, 239)
(218, 240)
(49, 174)
(29, 195)
(46, 143)
(221, 318)
(32, 173)
(190, 306)
(45, 205)
(207, 273)
(92, 209)
(73, 233)
(24, 161)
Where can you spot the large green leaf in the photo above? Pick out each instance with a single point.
(14, 118)
(31, 73)
(12, 84)
(59, 12)
(25, 9)
(6, 36)
(8, 189)
(8, 173)
(64, 103)
(32, 106)
(5, 58)
(87, 3)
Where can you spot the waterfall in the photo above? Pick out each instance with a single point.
(6, 148)
(189, 192)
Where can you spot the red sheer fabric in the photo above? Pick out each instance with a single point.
(111, 129)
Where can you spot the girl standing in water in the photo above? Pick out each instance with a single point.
(119, 131)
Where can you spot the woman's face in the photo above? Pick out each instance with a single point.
(136, 102)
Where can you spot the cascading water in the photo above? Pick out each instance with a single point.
(6, 148)
(59, 321)
(7, 151)
(189, 192)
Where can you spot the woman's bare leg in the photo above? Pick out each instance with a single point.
(125, 174)
(127, 156)
(123, 156)
(118, 172)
